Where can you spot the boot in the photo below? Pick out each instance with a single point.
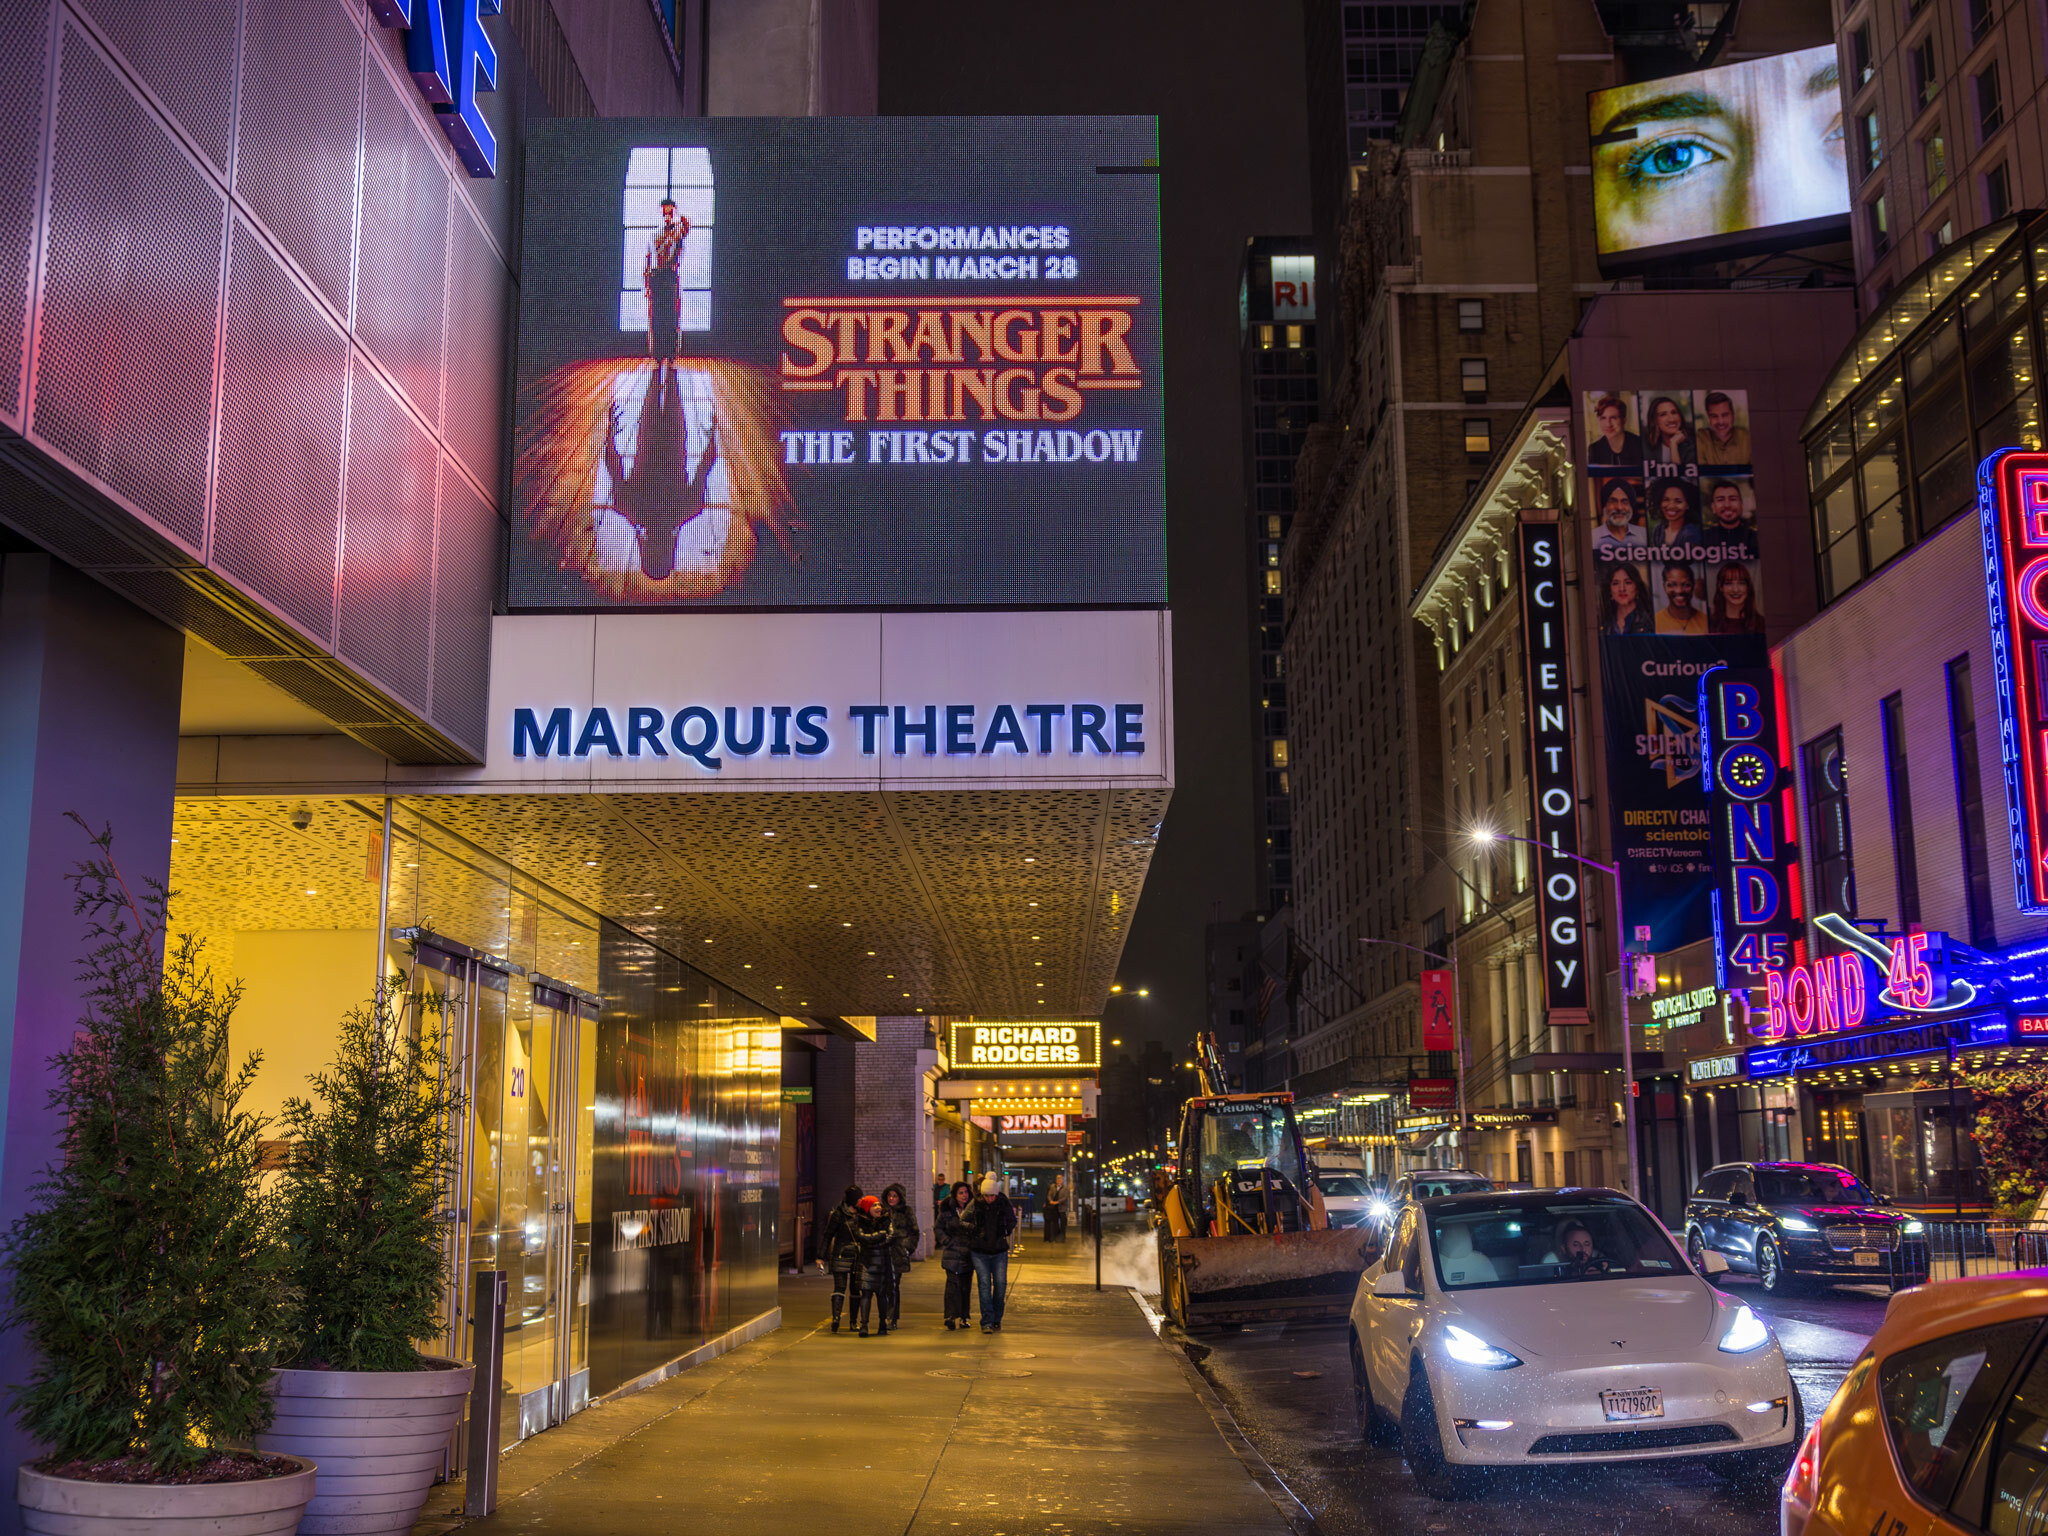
(838, 1303)
(867, 1300)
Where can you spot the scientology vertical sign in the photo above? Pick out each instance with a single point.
(1553, 773)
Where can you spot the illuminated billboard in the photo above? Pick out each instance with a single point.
(1740, 158)
(1062, 1045)
(839, 363)
(2012, 488)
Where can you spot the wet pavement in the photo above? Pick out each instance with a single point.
(1289, 1390)
(1074, 1420)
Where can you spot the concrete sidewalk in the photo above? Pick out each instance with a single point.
(1073, 1421)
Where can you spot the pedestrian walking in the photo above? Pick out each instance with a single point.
(903, 1240)
(875, 1234)
(1056, 1209)
(942, 1191)
(839, 1250)
(959, 1220)
(990, 1247)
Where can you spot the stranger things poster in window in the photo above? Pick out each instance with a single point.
(839, 362)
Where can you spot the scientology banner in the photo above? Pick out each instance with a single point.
(1678, 585)
(839, 363)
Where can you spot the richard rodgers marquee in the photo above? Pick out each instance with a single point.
(1066, 1046)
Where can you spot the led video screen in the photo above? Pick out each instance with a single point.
(1741, 158)
(839, 363)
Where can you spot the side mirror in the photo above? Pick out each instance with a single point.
(1713, 1263)
(1392, 1283)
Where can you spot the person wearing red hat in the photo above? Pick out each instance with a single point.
(874, 1231)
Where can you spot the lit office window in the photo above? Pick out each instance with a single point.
(1478, 436)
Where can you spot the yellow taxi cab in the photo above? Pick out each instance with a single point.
(1941, 1426)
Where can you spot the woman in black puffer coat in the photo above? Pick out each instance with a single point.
(839, 1251)
(959, 1220)
(903, 1242)
(876, 1234)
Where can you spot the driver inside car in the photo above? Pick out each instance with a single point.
(1575, 1250)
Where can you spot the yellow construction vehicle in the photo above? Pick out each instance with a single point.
(1243, 1236)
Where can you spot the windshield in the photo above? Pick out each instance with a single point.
(1468, 1184)
(1809, 1186)
(1248, 1136)
(1343, 1184)
(1542, 1241)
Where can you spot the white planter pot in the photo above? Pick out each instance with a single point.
(64, 1506)
(376, 1436)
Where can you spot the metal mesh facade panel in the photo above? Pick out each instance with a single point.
(185, 605)
(403, 272)
(129, 301)
(465, 580)
(296, 134)
(312, 684)
(387, 543)
(477, 317)
(24, 55)
(184, 51)
(278, 506)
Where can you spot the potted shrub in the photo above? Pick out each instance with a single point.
(148, 1276)
(364, 1189)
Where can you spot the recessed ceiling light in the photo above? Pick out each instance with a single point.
(1029, 860)
(871, 953)
(707, 941)
(311, 892)
(812, 886)
(846, 925)
(778, 986)
(906, 994)
(590, 863)
(767, 834)
(1034, 903)
(747, 966)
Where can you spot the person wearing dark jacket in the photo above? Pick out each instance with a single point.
(839, 1251)
(959, 1220)
(876, 1235)
(903, 1241)
(990, 1247)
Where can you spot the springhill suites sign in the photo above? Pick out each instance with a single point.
(1553, 771)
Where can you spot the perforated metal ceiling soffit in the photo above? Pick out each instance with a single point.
(997, 904)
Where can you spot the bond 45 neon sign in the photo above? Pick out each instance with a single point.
(1877, 976)
(1756, 886)
(2012, 501)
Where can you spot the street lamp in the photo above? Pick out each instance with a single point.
(1628, 1060)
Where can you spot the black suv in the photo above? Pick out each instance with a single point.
(1788, 1222)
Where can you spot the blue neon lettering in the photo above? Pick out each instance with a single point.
(869, 715)
(959, 730)
(929, 729)
(1752, 832)
(779, 713)
(811, 739)
(702, 748)
(451, 58)
(1742, 717)
(748, 748)
(1044, 714)
(644, 725)
(598, 732)
(1130, 729)
(1756, 897)
(1088, 722)
(526, 733)
(1005, 730)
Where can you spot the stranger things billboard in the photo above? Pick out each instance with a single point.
(839, 363)
(1678, 588)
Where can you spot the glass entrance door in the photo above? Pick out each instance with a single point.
(523, 1053)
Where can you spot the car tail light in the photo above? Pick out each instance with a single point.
(1802, 1485)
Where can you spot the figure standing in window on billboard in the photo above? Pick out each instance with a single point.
(661, 276)
(657, 496)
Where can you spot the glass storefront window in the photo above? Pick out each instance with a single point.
(1946, 489)
(1938, 423)
(1926, 358)
(1830, 452)
(2017, 426)
(1998, 372)
(1878, 407)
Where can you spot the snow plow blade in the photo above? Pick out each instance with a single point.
(1305, 1276)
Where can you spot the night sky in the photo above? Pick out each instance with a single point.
(1225, 78)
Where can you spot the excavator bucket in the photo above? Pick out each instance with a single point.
(1281, 1277)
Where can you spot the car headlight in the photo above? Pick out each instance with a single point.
(1795, 1223)
(1379, 1210)
(1747, 1332)
(1914, 1228)
(1469, 1349)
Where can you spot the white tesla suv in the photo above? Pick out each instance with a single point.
(1538, 1327)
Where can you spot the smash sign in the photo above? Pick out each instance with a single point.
(2012, 500)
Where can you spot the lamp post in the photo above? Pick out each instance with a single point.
(1464, 1123)
(1628, 1060)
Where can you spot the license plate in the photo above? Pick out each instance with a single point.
(1867, 1259)
(1642, 1403)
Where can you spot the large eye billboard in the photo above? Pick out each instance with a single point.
(839, 363)
(1742, 158)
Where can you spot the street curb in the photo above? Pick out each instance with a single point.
(1299, 1520)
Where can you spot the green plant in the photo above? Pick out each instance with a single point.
(2012, 1135)
(148, 1277)
(365, 1187)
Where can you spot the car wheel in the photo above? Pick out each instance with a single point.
(1762, 1473)
(1771, 1273)
(1696, 1250)
(1421, 1446)
(1373, 1425)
